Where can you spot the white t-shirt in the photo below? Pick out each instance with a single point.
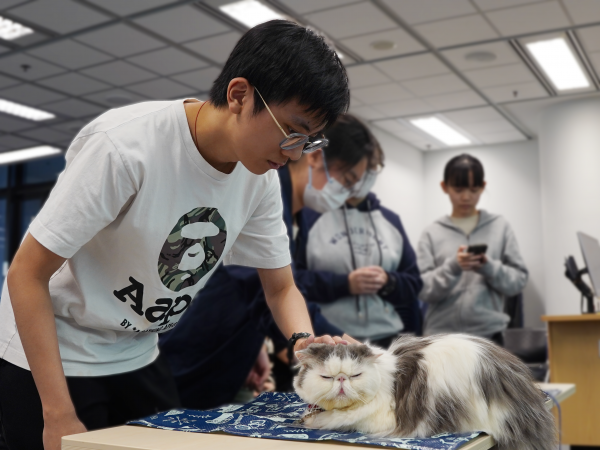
(143, 220)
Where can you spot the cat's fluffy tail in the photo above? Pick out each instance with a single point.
(509, 390)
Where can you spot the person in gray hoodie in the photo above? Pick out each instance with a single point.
(464, 291)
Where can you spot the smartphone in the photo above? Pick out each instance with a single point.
(477, 249)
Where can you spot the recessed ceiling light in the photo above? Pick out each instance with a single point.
(441, 131)
(250, 12)
(557, 60)
(480, 56)
(26, 154)
(27, 112)
(383, 45)
(10, 30)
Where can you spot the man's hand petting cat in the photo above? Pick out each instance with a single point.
(301, 344)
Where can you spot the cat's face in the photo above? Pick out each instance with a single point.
(339, 376)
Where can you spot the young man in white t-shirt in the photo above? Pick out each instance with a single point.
(153, 197)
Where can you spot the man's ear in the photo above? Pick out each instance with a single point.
(240, 94)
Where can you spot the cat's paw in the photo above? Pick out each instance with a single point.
(309, 419)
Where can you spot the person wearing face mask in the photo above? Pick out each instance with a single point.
(465, 287)
(354, 257)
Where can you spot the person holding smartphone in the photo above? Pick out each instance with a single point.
(469, 261)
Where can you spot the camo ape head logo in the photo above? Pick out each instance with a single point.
(192, 249)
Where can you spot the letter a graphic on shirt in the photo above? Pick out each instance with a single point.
(133, 292)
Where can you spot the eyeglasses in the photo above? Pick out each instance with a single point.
(295, 140)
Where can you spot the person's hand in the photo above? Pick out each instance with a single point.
(260, 371)
(301, 344)
(58, 425)
(469, 261)
(350, 339)
(367, 280)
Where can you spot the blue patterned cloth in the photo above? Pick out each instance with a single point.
(272, 415)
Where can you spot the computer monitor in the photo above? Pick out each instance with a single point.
(591, 254)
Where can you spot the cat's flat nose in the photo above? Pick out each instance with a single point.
(341, 378)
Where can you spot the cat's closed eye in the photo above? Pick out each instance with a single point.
(327, 378)
(357, 375)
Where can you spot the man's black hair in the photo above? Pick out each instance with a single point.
(456, 173)
(286, 61)
(349, 142)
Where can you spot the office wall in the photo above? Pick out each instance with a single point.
(570, 179)
(400, 185)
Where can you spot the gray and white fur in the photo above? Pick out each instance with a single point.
(421, 387)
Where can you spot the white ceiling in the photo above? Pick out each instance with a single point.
(87, 56)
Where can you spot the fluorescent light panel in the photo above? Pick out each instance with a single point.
(557, 60)
(27, 112)
(10, 30)
(250, 12)
(441, 131)
(26, 154)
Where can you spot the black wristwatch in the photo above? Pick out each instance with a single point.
(292, 342)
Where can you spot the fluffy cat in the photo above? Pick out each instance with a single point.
(421, 387)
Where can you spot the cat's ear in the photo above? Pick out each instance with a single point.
(302, 356)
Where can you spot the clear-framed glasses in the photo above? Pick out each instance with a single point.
(295, 140)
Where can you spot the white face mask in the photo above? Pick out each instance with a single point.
(331, 197)
(364, 186)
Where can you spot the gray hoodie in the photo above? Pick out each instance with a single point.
(471, 301)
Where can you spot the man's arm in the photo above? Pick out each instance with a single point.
(289, 308)
(27, 281)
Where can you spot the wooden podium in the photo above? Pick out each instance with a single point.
(574, 353)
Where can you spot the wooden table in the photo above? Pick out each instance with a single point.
(142, 438)
(574, 353)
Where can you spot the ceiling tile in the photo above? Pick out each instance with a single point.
(61, 16)
(366, 112)
(306, 6)
(503, 52)
(595, 59)
(216, 48)
(590, 38)
(6, 4)
(119, 73)
(404, 108)
(125, 8)
(6, 82)
(201, 80)
(499, 76)
(13, 142)
(529, 18)
(461, 30)
(45, 135)
(71, 127)
(403, 44)
(3, 49)
(35, 68)
(489, 5)
(455, 100)
(583, 11)
(501, 136)
(161, 88)
(365, 75)
(401, 69)
(493, 126)
(352, 20)
(381, 93)
(419, 11)
(114, 98)
(439, 84)
(11, 123)
(120, 40)
(182, 24)
(70, 54)
(475, 115)
(75, 108)
(168, 61)
(30, 95)
(524, 91)
(408, 134)
(29, 39)
(74, 84)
